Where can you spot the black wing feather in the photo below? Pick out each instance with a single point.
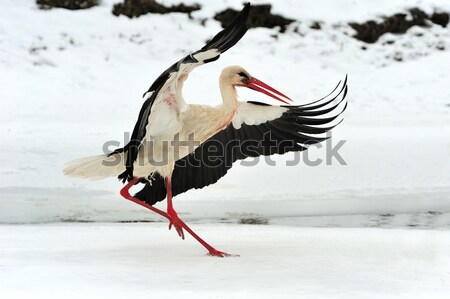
(223, 41)
(284, 134)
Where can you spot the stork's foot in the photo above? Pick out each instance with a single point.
(215, 252)
(175, 222)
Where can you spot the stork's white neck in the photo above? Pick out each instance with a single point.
(229, 96)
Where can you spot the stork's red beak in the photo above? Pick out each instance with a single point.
(262, 87)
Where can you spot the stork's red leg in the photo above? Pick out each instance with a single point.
(171, 215)
(179, 224)
(211, 250)
(174, 219)
(125, 192)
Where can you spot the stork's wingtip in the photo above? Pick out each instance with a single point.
(345, 80)
(246, 9)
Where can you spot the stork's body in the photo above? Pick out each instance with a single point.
(192, 126)
(172, 142)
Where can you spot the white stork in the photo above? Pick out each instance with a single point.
(223, 134)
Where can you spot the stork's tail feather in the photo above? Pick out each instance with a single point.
(96, 167)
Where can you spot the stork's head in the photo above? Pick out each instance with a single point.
(238, 76)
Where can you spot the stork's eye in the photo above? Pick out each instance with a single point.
(244, 75)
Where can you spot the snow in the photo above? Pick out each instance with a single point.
(376, 227)
(87, 261)
(74, 80)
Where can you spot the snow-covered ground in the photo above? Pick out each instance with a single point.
(73, 80)
(88, 261)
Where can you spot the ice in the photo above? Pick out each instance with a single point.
(145, 260)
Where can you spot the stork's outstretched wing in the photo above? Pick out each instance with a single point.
(163, 100)
(257, 129)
